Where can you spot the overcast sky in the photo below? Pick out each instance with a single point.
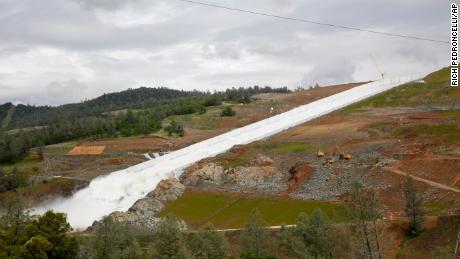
(59, 51)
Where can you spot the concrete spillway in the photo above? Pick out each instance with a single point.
(119, 190)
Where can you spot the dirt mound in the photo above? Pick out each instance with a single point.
(132, 143)
(261, 160)
(227, 122)
(86, 150)
(300, 172)
(238, 149)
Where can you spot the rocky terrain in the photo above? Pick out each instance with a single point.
(319, 160)
(144, 212)
(387, 137)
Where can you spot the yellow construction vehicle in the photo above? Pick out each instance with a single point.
(342, 154)
(329, 161)
(320, 153)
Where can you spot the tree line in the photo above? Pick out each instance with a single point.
(85, 120)
(141, 98)
(313, 236)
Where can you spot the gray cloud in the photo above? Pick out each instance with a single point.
(103, 4)
(51, 47)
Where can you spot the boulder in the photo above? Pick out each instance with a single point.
(250, 177)
(203, 173)
(258, 176)
(261, 160)
(167, 190)
(238, 149)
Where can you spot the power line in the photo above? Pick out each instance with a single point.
(312, 22)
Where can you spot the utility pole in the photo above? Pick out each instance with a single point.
(457, 247)
(382, 74)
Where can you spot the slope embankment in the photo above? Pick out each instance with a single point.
(119, 190)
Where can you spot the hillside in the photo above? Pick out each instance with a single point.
(30, 116)
(132, 112)
(413, 129)
(52, 169)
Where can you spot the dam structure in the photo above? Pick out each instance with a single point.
(119, 190)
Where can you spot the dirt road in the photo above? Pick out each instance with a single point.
(434, 184)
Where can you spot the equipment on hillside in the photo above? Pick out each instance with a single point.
(320, 153)
(329, 161)
(342, 154)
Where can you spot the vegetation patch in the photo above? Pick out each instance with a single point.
(452, 113)
(232, 211)
(448, 133)
(239, 161)
(56, 186)
(291, 147)
(207, 120)
(433, 91)
(232, 160)
(440, 240)
(441, 129)
(437, 208)
(380, 125)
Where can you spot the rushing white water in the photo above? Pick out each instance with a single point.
(119, 190)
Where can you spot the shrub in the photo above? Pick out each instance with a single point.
(227, 112)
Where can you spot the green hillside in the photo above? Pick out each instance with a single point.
(435, 90)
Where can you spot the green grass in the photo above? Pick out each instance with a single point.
(239, 161)
(399, 132)
(291, 147)
(269, 148)
(448, 133)
(6, 121)
(31, 165)
(441, 129)
(122, 112)
(232, 211)
(411, 94)
(437, 208)
(380, 125)
(452, 113)
(208, 121)
(27, 166)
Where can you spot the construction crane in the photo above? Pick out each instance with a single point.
(382, 74)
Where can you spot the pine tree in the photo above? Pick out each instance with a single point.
(227, 112)
(319, 237)
(111, 239)
(414, 208)
(169, 240)
(256, 239)
(207, 243)
(290, 244)
(313, 237)
(364, 209)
